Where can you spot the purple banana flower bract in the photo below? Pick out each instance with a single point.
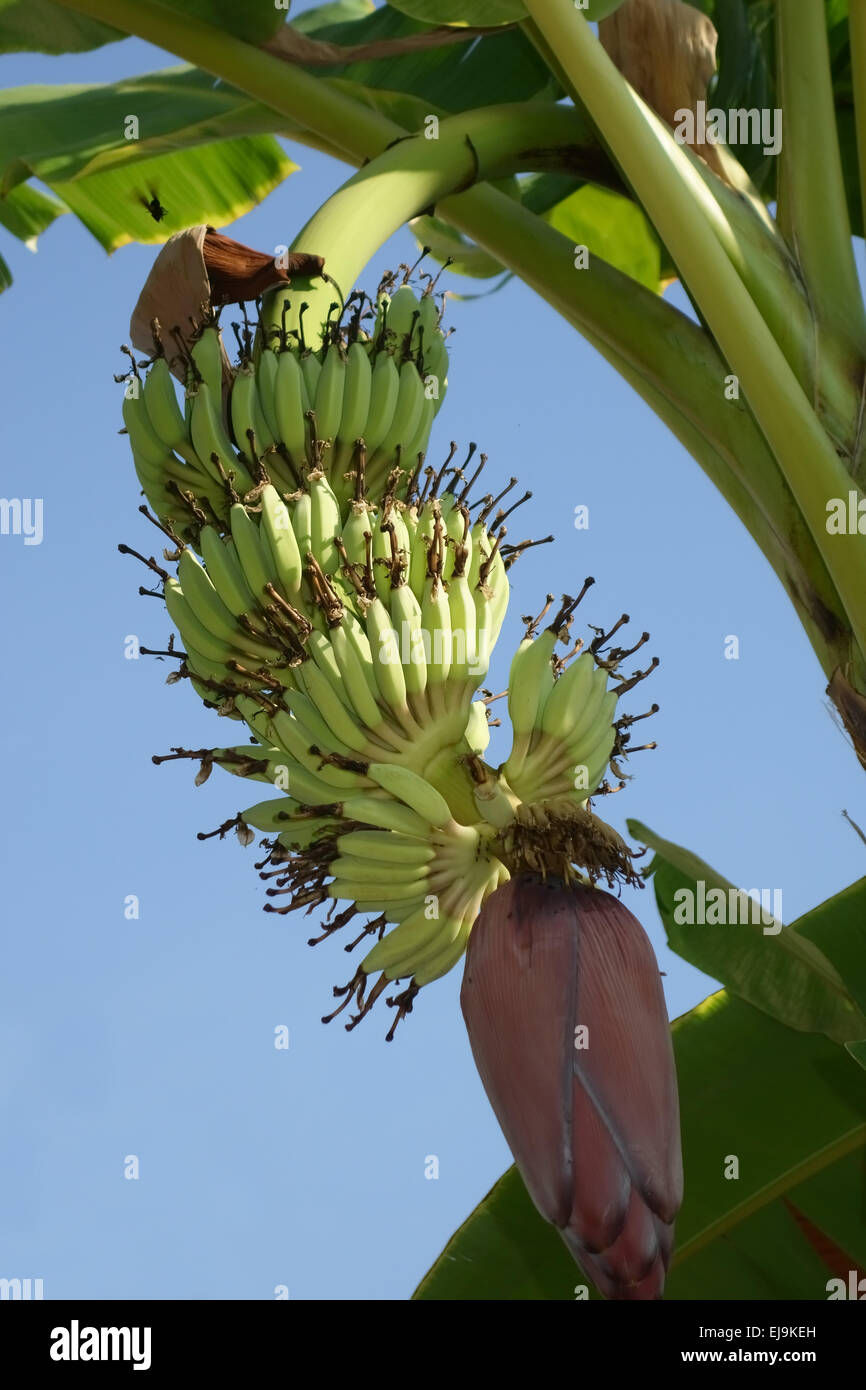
(566, 1017)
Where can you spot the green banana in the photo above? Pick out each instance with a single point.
(406, 418)
(436, 622)
(278, 532)
(302, 523)
(290, 406)
(360, 520)
(271, 815)
(411, 937)
(384, 393)
(248, 422)
(193, 632)
(212, 444)
(599, 701)
(223, 566)
(311, 368)
(377, 871)
(385, 814)
(207, 356)
(356, 403)
(164, 412)
(257, 564)
(319, 731)
(325, 521)
(330, 705)
(530, 682)
(402, 318)
(266, 380)
(207, 606)
(408, 624)
(464, 632)
(385, 845)
(298, 782)
(359, 691)
(417, 794)
(385, 655)
(355, 888)
(146, 443)
(330, 389)
(478, 728)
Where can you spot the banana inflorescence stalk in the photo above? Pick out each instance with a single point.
(342, 598)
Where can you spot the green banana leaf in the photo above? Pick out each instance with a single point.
(40, 26)
(318, 17)
(199, 150)
(256, 21)
(481, 13)
(25, 212)
(612, 227)
(216, 184)
(446, 243)
(778, 969)
(450, 77)
(71, 131)
(789, 1107)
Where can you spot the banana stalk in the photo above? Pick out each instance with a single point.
(676, 200)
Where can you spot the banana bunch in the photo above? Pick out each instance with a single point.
(287, 409)
(331, 630)
(330, 612)
(397, 851)
(342, 600)
(565, 730)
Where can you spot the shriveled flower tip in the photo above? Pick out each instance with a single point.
(566, 1017)
(197, 271)
(239, 273)
(667, 51)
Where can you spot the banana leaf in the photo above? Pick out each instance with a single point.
(39, 26)
(447, 76)
(198, 149)
(614, 228)
(776, 968)
(71, 131)
(215, 184)
(480, 12)
(25, 212)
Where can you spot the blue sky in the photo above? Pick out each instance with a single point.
(154, 1037)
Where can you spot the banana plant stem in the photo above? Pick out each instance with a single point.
(412, 175)
(675, 367)
(673, 197)
(813, 210)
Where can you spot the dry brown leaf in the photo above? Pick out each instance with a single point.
(196, 272)
(667, 51)
(295, 47)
